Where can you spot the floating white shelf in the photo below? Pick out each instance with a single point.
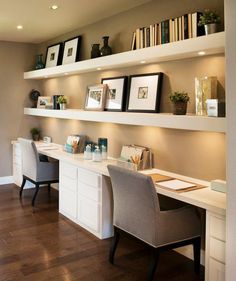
(211, 44)
(162, 120)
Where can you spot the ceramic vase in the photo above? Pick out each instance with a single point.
(39, 62)
(95, 52)
(106, 49)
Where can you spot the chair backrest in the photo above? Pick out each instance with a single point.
(30, 158)
(136, 205)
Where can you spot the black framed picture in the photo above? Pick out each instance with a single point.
(115, 98)
(145, 92)
(71, 50)
(54, 55)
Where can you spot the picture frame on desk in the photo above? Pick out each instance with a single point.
(96, 97)
(71, 50)
(116, 91)
(145, 92)
(54, 55)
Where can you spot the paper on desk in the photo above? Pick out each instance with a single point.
(176, 184)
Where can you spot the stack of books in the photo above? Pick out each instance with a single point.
(167, 31)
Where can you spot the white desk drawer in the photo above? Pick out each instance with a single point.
(89, 191)
(88, 213)
(217, 249)
(89, 178)
(217, 227)
(68, 170)
(68, 183)
(216, 270)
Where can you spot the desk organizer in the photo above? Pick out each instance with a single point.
(71, 149)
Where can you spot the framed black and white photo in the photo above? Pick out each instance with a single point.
(54, 55)
(145, 92)
(96, 97)
(43, 102)
(116, 90)
(71, 50)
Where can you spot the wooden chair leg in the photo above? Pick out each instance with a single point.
(197, 254)
(153, 264)
(35, 194)
(22, 186)
(114, 244)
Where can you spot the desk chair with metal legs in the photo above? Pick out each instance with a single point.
(36, 171)
(137, 212)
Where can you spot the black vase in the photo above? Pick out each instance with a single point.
(95, 52)
(106, 49)
(39, 62)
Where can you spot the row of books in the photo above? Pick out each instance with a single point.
(167, 31)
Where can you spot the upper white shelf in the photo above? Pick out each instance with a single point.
(210, 44)
(162, 120)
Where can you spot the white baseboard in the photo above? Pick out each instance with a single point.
(187, 251)
(6, 180)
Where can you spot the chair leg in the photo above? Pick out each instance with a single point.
(22, 186)
(197, 254)
(153, 264)
(49, 188)
(114, 244)
(35, 194)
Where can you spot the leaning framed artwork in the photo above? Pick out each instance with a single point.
(115, 98)
(71, 50)
(54, 55)
(145, 92)
(95, 97)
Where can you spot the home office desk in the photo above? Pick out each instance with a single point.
(85, 197)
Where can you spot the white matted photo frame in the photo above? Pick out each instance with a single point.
(116, 90)
(54, 55)
(145, 92)
(43, 101)
(71, 50)
(95, 97)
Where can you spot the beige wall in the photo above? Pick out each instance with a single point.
(14, 58)
(195, 154)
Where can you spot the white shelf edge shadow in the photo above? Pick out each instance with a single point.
(210, 44)
(162, 120)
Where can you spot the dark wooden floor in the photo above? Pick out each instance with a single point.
(43, 245)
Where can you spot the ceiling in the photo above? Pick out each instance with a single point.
(40, 23)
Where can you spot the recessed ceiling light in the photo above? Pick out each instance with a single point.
(66, 73)
(99, 68)
(201, 53)
(54, 7)
(142, 61)
(19, 27)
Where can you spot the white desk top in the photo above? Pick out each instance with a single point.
(204, 198)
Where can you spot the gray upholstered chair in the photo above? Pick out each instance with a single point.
(36, 171)
(137, 212)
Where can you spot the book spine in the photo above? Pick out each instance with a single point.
(190, 35)
(196, 30)
(133, 44)
(180, 28)
(185, 26)
(137, 38)
(148, 36)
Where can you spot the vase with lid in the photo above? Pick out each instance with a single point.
(39, 62)
(106, 49)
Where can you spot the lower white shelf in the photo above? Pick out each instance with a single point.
(162, 120)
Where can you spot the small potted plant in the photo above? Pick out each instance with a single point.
(210, 20)
(180, 101)
(62, 100)
(35, 133)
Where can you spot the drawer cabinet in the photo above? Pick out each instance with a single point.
(215, 247)
(85, 197)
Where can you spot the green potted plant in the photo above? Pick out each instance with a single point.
(210, 20)
(62, 100)
(35, 133)
(180, 101)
